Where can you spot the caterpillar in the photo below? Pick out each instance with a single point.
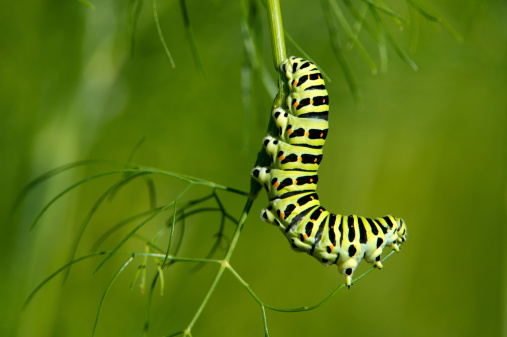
(291, 182)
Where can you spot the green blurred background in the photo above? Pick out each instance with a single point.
(429, 147)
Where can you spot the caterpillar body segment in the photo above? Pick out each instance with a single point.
(290, 157)
(307, 105)
(288, 208)
(291, 182)
(278, 182)
(308, 95)
(294, 130)
(301, 74)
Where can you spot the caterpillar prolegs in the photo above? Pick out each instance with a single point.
(291, 182)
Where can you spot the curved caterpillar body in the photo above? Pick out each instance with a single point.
(291, 183)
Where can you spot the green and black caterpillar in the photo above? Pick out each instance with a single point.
(291, 182)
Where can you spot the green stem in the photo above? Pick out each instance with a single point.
(206, 299)
(242, 221)
(224, 264)
(299, 309)
(160, 34)
(276, 32)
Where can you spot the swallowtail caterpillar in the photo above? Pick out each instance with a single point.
(291, 182)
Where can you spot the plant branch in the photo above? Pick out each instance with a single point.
(276, 32)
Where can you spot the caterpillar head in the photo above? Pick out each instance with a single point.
(398, 234)
(402, 231)
(290, 66)
(286, 66)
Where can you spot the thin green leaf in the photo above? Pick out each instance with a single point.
(87, 3)
(182, 217)
(360, 20)
(424, 9)
(141, 270)
(50, 277)
(159, 31)
(180, 238)
(148, 306)
(134, 10)
(254, 55)
(216, 245)
(191, 38)
(338, 51)
(138, 144)
(67, 265)
(152, 192)
(306, 56)
(119, 225)
(415, 29)
(122, 182)
(34, 183)
(396, 20)
(401, 53)
(92, 212)
(257, 62)
(162, 282)
(131, 233)
(346, 27)
(68, 189)
(172, 232)
(246, 99)
(385, 9)
(450, 29)
(220, 234)
(107, 291)
(149, 244)
(189, 179)
(424, 12)
(382, 43)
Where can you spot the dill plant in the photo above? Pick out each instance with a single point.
(372, 16)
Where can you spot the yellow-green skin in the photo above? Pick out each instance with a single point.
(291, 183)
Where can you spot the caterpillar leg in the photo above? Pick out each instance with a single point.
(347, 269)
(271, 146)
(261, 175)
(268, 216)
(281, 118)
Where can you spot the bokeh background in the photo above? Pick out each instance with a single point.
(429, 146)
